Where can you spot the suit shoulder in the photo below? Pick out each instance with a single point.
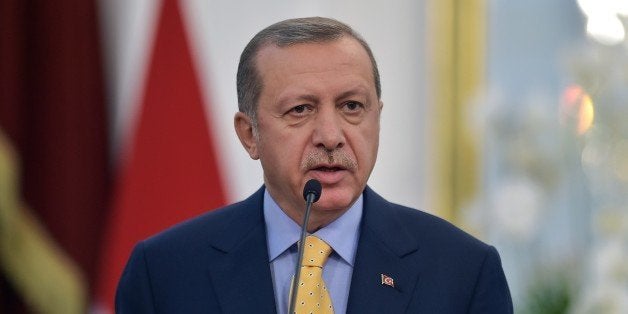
(207, 226)
(435, 228)
(429, 231)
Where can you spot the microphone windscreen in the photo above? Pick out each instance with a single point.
(312, 186)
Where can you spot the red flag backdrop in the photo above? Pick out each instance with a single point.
(54, 134)
(169, 170)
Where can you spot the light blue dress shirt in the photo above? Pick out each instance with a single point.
(283, 233)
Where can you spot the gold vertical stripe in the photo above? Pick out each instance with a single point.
(36, 266)
(457, 39)
(440, 45)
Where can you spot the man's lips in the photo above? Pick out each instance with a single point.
(328, 168)
(328, 174)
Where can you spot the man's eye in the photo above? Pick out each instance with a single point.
(353, 106)
(300, 109)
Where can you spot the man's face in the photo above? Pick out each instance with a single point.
(318, 117)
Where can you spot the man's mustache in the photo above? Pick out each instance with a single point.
(336, 158)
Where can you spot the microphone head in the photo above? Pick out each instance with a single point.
(312, 186)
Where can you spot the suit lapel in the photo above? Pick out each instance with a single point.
(240, 272)
(386, 249)
(239, 268)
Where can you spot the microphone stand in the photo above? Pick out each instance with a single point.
(309, 200)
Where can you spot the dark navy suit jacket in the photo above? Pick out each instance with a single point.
(218, 263)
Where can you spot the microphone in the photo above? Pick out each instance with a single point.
(311, 193)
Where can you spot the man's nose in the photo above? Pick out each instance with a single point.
(328, 131)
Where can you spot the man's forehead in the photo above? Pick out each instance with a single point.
(270, 49)
(312, 56)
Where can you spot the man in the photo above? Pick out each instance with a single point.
(309, 107)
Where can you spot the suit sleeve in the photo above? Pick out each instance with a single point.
(134, 293)
(491, 293)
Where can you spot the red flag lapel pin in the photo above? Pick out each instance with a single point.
(387, 280)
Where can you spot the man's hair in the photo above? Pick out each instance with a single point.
(286, 33)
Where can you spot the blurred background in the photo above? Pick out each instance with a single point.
(507, 118)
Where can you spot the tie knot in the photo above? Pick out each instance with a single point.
(315, 251)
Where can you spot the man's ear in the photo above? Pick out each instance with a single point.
(244, 128)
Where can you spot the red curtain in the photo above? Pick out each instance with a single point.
(52, 109)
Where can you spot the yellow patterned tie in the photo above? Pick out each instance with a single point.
(312, 295)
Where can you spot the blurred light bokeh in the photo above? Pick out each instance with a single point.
(553, 119)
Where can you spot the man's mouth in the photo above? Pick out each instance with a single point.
(328, 169)
(328, 174)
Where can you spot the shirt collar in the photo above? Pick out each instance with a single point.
(341, 234)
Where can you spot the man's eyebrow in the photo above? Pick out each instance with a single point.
(296, 98)
(290, 98)
(352, 91)
(308, 97)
